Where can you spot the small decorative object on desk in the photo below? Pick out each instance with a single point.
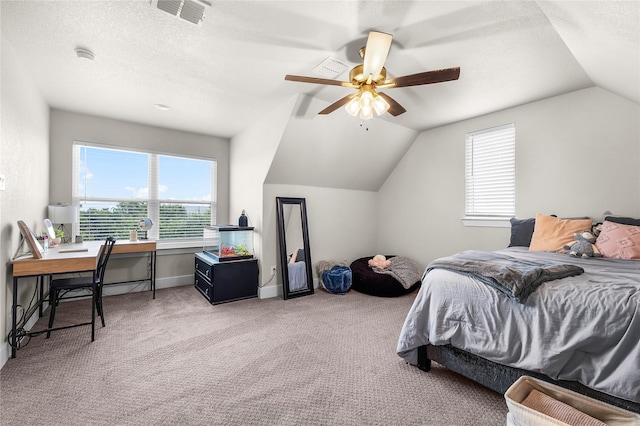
(145, 224)
(133, 235)
(59, 236)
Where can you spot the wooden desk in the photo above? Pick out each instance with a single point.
(59, 260)
(140, 246)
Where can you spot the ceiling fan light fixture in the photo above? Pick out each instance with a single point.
(372, 75)
(366, 99)
(366, 113)
(380, 105)
(365, 103)
(357, 76)
(353, 107)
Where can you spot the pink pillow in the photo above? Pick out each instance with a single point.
(619, 241)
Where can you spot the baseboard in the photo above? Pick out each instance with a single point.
(115, 289)
(269, 291)
(275, 290)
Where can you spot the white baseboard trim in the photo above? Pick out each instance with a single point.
(269, 291)
(115, 289)
(275, 290)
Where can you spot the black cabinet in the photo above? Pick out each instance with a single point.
(221, 282)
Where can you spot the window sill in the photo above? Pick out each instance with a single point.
(487, 222)
(180, 244)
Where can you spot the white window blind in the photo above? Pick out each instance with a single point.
(115, 188)
(490, 172)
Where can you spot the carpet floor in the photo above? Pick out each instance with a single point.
(316, 360)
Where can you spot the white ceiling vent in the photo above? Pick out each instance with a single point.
(329, 68)
(189, 10)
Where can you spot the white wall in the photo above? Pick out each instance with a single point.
(337, 150)
(252, 152)
(67, 127)
(24, 160)
(173, 267)
(576, 155)
(292, 146)
(342, 226)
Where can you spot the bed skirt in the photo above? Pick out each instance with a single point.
(500, 377)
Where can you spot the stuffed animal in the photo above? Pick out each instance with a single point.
(583, 245)
(379, 261)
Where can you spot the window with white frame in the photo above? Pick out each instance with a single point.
(490, 190)
(115, 188)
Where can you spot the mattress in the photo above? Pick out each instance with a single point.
(584, 328)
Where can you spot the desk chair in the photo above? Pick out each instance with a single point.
(59, 287)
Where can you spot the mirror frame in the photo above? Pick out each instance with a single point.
(280, 203)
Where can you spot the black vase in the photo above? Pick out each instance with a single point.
(242, 221)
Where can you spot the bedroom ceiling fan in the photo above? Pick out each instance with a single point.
(371, 76)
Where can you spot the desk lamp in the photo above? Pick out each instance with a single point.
(62, 215)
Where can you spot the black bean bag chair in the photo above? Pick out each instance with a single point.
(364, 280)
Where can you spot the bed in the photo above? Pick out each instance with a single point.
(581, 331)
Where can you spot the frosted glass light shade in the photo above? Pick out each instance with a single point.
(366, 113)
(380, 105)
(63, 214)
(353, 107)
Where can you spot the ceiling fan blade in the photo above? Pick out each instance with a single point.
(334, 106)
(429, 77)
(376, 52)
(395, 108)
(315, 80)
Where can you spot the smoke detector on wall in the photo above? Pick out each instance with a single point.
(189, 10)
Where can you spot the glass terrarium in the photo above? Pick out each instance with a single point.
(228, 242)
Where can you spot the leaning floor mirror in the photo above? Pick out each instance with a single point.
(293, 239)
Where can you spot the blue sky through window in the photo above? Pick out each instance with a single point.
(124, 175)
(184, 178)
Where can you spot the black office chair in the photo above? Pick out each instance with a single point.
(59, 287)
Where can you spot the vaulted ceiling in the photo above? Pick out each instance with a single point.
(221, 75)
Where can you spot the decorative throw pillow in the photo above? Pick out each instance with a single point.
(551, 233)
(619, 241)
(521, 232)
(623, 220)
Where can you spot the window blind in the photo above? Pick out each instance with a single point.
(116, 188)
(490, 172)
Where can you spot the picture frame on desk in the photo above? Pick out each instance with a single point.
(32, 241)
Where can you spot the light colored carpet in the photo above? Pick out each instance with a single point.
(316, 360)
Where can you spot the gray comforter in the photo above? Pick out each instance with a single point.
(513, 277)
(584, 328)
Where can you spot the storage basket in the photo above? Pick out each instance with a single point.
(523, 415)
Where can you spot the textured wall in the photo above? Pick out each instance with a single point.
(24, 160)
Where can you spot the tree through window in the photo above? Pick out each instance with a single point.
(115, 188)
